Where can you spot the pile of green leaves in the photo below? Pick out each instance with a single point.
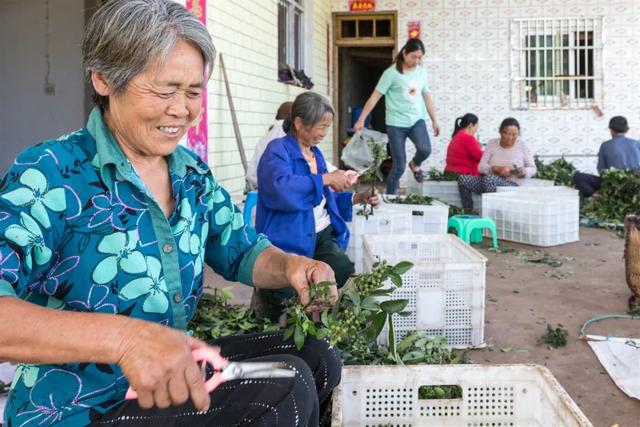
(215, 317)
(411, 199)
(554, 337)
(618, 196)
(417, 348)
(435, 175)
(559, 171)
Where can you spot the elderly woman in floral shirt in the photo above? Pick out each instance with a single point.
(104, 233)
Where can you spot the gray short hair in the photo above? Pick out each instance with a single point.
(123, 36)
(310, 107)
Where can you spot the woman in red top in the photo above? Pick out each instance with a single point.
(463, 156)
(464, 151)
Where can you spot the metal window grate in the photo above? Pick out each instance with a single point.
(556, 63)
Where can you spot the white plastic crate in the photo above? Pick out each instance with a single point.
(445, 191)
(381, 222)
(445, 287)
(427, 219)
(535, 218)
(554, 190)
(498, 395)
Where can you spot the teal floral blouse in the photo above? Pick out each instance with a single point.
(80, 232)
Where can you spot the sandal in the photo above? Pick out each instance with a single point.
(418, 175)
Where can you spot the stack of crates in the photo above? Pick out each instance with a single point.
(445, 288)
(380, 223)
(538, 218)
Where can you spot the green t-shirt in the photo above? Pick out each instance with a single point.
(403, 95)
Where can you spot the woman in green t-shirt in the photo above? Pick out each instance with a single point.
(402, 84)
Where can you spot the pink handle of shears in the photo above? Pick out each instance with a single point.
(352, 175)
(207, 355)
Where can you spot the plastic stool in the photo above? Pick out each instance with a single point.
(469, 228)
(249, 204)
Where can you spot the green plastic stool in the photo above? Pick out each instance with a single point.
(469, 228)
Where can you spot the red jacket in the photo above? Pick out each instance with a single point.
(463, 154)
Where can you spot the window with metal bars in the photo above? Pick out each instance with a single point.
(557, 63)
(291, 33)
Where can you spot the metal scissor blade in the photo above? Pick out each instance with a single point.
(240, 370)
(362, 172)
(271, 373)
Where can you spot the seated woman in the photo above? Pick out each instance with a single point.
(301, 206)
(506, 162)
(463, 156)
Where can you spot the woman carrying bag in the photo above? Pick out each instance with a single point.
(407, 102)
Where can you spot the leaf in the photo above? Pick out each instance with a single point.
(413, 357)
(380, 293)
(402, 267)
(393, 306)
(354, 297)
(369, 303)
(227, 293)
(506, 349)
(395, 279)
(407, 342)
(376, 326)
(298, 337)
(288, 332)
(324, 318)
(311, 329)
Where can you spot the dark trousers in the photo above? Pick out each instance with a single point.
(397, 137)
(326, 250)
(586, 183)
(470, 184)
(270, 301)
(266, 402)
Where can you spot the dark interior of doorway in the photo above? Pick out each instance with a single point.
(359, 69)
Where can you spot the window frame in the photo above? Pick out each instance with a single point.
(294, 47)
(563, 45)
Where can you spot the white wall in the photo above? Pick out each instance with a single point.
(27, 115)
(246, 33)
(468, 64)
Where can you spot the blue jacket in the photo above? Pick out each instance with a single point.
(287, 195)
(620, 153)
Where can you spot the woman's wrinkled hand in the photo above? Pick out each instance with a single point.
(338, 180)
(302, 271)
(158, 363)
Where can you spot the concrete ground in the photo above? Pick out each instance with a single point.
(521, 298)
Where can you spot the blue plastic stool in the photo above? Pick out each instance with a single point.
(469, 228)
(249, 204)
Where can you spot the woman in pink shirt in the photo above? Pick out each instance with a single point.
(506, 161)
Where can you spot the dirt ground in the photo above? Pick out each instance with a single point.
(521, 298)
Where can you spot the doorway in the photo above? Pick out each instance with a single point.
(364, 46)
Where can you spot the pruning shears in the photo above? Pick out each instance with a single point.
(354, 175)
(224, 370)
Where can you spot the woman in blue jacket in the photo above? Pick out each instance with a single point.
(301, 206)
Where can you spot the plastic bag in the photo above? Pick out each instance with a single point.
(357, 154)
